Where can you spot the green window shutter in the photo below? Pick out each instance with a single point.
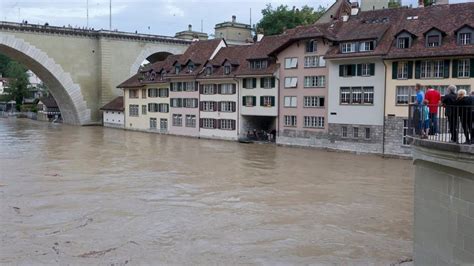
(261, 100)
(244, 85)
(359, 70)
(244, 102)
(472, 68)
(262, 81)
(254, 100)
(341, 70)
(273, 82)
(394, 70)
(410, 69)
(446, 68)
(417, 69)
(455, 68)
(254, 81)
(353, 70)
(372, 69)
(273, 101)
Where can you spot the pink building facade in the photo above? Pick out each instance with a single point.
(303, 83)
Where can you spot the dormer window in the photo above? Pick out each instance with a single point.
(191, 67)
(433, 40)
(177, 69)
(403, 42)
(227, 70)
(162, 75)
(465, 38)
(348, 47)
(258, 64)
(311, 46)
(367, 46)
(208, 70)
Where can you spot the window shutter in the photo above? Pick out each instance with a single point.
(471, 63)
(417, 69)
(171, 87)
(273, 100)
(261, 100)
(219, 88)
(219, 106)
(201, 106)
(254, 81)
(262, 82)
(200, 122)
(233, 124)
(216, 123)
(394, 70)
(254, 100)
(353, 69)
(341, 70)
(196, 86)
(244, 101)
(455, 68)
(410, 69)
(233, 107)
(244, 84)
(273, 82)
(216, 106)
(372, 69)
(201, 88)
(359, 70)
(234, 88)
(446, 68)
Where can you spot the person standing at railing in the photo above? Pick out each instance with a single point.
(449, 102)
(433, 99)
(425, 120)
(417, 115)
(464, 104)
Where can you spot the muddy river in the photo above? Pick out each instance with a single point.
(92, 195)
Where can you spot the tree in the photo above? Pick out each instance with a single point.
(276, 21)
(18, 86)
(394, 4)
(4, 60)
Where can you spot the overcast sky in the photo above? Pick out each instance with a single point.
(164, 17)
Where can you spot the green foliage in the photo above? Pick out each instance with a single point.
(394, 4)
(4, 61)
(276, 21)
(18, 86)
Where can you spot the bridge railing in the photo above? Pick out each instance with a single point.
(451, 124)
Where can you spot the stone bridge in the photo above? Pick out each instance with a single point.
(83, 67)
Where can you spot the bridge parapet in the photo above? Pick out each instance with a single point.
(67, 30)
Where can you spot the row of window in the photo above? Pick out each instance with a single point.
(353, 47)
(434, 38)
(209, 89)
(351, 70)
(177, 120)
(265, 83)
(309, 62)
(265, 101)
(308, 121)
(407, 94)
(308, 101)
(224, 124)
(461, 68)
(355, 132)
(309, 82)
(183, 86)
(184, 102)
(211, 106)
(356, 95)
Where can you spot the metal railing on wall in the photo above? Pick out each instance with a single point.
(451, 124)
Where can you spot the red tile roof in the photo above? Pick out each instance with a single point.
(115, 105)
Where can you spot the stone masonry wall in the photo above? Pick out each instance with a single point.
(394, 137)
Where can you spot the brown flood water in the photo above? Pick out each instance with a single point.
(91, 195)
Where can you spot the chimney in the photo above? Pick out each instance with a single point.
(234, 18)
(421, 3)
(345, 18)
(190, 27)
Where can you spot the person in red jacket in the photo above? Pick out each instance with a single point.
(433, 97)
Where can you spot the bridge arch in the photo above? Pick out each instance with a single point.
(153, 52)
(68, 94)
